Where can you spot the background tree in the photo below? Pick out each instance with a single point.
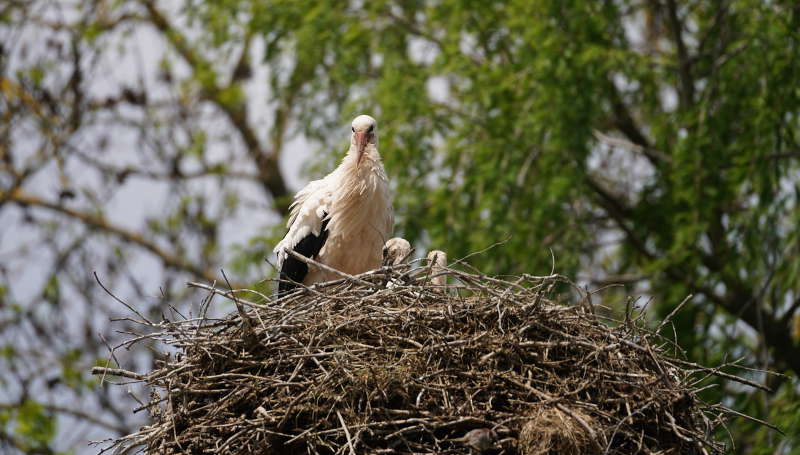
(651, 143)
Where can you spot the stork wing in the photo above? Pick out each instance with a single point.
(307, 232)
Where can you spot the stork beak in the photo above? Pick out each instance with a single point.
(361, 144)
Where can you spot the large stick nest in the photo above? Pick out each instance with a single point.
(388, 363)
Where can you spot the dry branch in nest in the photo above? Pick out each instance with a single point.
(387, 363)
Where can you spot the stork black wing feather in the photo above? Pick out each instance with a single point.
(296, 270)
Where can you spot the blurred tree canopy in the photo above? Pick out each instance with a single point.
(648, 143)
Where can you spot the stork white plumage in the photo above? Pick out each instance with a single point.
(341, 220)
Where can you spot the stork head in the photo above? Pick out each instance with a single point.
(365, 132)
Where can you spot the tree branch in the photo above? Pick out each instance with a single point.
(626, 124)
(787, 316)
(686, 87)
(738, 301)
(620, 213)
(266, 163)
(23, 447)
(77, 414)
(102, 224)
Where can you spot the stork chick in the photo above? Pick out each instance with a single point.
(341, 220)
(396, 251)
(437, 261)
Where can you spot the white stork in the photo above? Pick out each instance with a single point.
(341, 220)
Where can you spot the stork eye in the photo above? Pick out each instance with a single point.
(371, 127)
(353, 129)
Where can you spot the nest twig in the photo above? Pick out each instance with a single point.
(387, 363)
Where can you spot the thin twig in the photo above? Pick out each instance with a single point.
(347, 433)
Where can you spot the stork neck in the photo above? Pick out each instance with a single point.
(371, 156)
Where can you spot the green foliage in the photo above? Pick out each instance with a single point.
(72, 370)
(34, 425)
(489, 114)
(248, 260)
(781, 410)
(52, 292)
(197, 145)
(504, 150)
(8, 352)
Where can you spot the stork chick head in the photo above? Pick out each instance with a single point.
(365, 132)
(395, 251)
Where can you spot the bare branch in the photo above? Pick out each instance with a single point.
(98, 222)
(267, 163)
(686, 88)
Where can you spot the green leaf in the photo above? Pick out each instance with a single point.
(35, 425)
